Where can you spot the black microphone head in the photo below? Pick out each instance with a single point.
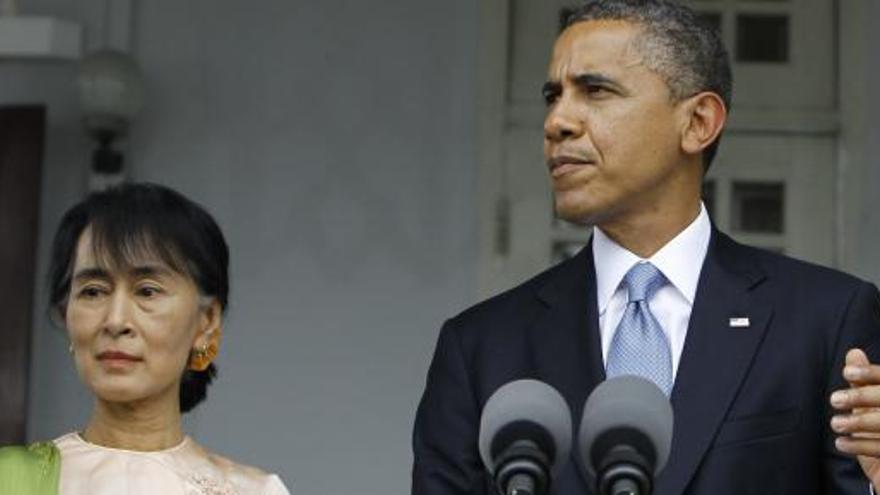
(629, 410)
(526, 410)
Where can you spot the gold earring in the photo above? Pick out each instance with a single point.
(200, 358)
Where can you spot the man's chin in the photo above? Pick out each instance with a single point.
(576, 221)
(575, 214)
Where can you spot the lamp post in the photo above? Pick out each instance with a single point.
(111, 93)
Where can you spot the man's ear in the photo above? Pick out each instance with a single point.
(704, 117)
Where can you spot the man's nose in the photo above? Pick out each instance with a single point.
(561, 124)
(118, 319)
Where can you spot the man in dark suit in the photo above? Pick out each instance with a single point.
(749, 345)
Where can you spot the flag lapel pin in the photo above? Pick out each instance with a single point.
(739, 322)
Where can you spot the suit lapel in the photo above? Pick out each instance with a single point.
(717, 354)
(566, 342)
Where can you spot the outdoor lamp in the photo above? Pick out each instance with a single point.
(111, 93)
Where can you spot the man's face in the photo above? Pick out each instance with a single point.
(612, 133)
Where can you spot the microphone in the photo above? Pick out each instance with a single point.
(625, 435)
(525, 437)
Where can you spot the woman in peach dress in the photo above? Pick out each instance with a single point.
(139, 278)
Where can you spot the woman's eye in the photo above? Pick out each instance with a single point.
(91, 292)
(148, 291)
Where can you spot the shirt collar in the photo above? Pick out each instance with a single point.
(680, 260)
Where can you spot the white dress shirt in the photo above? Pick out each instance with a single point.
(680, 261)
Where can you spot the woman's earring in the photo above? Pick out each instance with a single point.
(70, 348)
(200, 358)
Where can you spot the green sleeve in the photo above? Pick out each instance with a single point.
(31, 470)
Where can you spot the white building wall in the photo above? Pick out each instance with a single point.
(334, 142)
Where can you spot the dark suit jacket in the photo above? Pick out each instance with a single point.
(751, 404)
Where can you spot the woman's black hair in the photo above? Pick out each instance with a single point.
(129, 221)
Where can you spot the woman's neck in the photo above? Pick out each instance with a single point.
(142, 426)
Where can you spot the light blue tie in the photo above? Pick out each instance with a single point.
(639, 346)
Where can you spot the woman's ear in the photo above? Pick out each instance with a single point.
(705, 116)
(58, 315)
(208, 337)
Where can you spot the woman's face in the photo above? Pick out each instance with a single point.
(133, 327)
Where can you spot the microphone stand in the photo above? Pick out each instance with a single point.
(521, 484)
(624, 471)
(625, 487)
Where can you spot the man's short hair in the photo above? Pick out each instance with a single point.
(676, 43)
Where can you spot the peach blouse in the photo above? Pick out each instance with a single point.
(187, 469)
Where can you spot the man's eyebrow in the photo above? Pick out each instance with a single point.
(586, 79)
(551, 88)
(595, 79)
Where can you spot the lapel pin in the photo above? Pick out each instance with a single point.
(739, 322)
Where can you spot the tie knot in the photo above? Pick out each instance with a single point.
(642, 281)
